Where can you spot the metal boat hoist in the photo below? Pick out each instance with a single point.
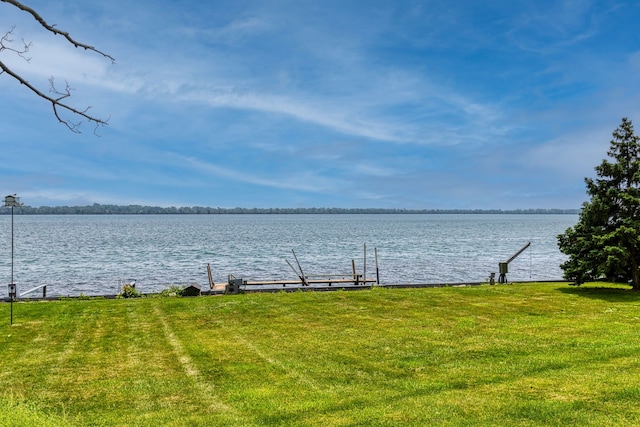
(503, 267)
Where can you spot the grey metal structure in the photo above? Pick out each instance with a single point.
(503, 267)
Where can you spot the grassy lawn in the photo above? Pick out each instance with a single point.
(524, 354)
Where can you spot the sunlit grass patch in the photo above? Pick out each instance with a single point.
(527, 354)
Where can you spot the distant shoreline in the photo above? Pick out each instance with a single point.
(97, 209)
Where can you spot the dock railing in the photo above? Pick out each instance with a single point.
(235, 284)
(43, 287)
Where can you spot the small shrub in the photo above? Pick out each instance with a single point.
(173, 291)
(129, 291)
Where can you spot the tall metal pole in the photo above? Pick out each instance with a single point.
(12, 201)
(13, 284)
(12, 246)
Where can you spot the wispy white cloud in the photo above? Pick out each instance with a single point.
(305, 181)
(553, 25)
(369, 114)
(370, 168)
(235, 31)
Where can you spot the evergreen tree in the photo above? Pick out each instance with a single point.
(605, 242)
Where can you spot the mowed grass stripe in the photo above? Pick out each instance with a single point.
(182, 356)
(206, 387)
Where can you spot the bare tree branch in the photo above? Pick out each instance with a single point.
(56, 102)
(54, 30)
(6, 41)
(58, 96)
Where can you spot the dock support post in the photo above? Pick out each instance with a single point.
(211, 284)
(364, 268)
(355, 275)
(375, 251)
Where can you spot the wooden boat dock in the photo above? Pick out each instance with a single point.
(353, 279)
(234, 284)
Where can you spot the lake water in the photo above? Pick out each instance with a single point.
(94, 254)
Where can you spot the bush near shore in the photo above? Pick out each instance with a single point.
(524, 354)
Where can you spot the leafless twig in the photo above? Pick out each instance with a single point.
(56, 31)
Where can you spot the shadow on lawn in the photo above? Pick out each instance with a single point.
(603, 293)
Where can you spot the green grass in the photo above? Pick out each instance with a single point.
(525, 354)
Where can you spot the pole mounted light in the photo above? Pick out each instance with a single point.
(12, 201)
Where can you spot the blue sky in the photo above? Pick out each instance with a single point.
(388, 104)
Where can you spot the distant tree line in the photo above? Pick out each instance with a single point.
(98, 209)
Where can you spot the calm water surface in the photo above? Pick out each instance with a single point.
(93, 254)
